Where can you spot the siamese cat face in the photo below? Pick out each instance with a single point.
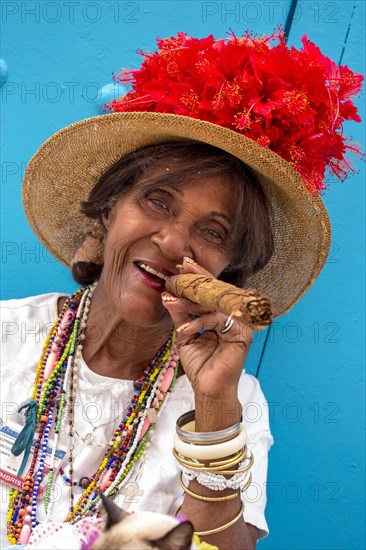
(142, 531)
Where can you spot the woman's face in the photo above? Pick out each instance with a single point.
(158, 228)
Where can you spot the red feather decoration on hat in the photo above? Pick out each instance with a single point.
(291, 101)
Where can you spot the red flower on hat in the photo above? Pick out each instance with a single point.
(291, 101)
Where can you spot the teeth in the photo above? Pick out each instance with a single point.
(151, 270)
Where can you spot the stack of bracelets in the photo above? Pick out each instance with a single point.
(224, 454)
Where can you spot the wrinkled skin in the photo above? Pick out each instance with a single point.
(166, 226)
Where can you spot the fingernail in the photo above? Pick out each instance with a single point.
(167, 297)
(189, 261)
(182, 327)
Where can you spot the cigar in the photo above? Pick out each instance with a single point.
(245, 305)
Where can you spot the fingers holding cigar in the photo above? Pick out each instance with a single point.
(197, 285)
(217, 322)
(182, 310)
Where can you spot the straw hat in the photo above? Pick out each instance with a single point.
(67, 166)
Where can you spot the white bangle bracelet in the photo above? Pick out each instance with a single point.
(207, 452)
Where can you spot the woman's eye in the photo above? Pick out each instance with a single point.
(159, 203)
(215, 235)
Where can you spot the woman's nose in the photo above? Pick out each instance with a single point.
(174, 241)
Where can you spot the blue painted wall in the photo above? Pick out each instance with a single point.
(59, 56)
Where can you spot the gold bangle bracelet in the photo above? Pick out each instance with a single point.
(205, 499)
(234, 460)
(246, 486)
(186, 462)
(223, 527)
(237, 471)
(222, 462)
(198, 466)
(220, 470)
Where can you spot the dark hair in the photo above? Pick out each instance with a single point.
(251, 242)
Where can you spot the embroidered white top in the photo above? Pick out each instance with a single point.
(100, 404)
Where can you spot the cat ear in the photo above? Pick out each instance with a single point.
(179, 538)
(114, 513)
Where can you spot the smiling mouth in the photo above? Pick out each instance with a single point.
(152, 272)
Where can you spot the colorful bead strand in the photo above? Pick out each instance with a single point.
(19, 500)
(55, 389)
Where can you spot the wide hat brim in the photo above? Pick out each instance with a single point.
(67, 166)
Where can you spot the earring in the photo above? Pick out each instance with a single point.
(92, 248)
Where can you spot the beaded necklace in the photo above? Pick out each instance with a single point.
(54, 390)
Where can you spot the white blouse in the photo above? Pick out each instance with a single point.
(100, 404)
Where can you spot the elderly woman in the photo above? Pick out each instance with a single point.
(163, 194)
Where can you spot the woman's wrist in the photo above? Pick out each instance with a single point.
(216, 414)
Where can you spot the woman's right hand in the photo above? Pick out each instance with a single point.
(212, 360)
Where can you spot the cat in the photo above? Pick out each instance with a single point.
(143, 531)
